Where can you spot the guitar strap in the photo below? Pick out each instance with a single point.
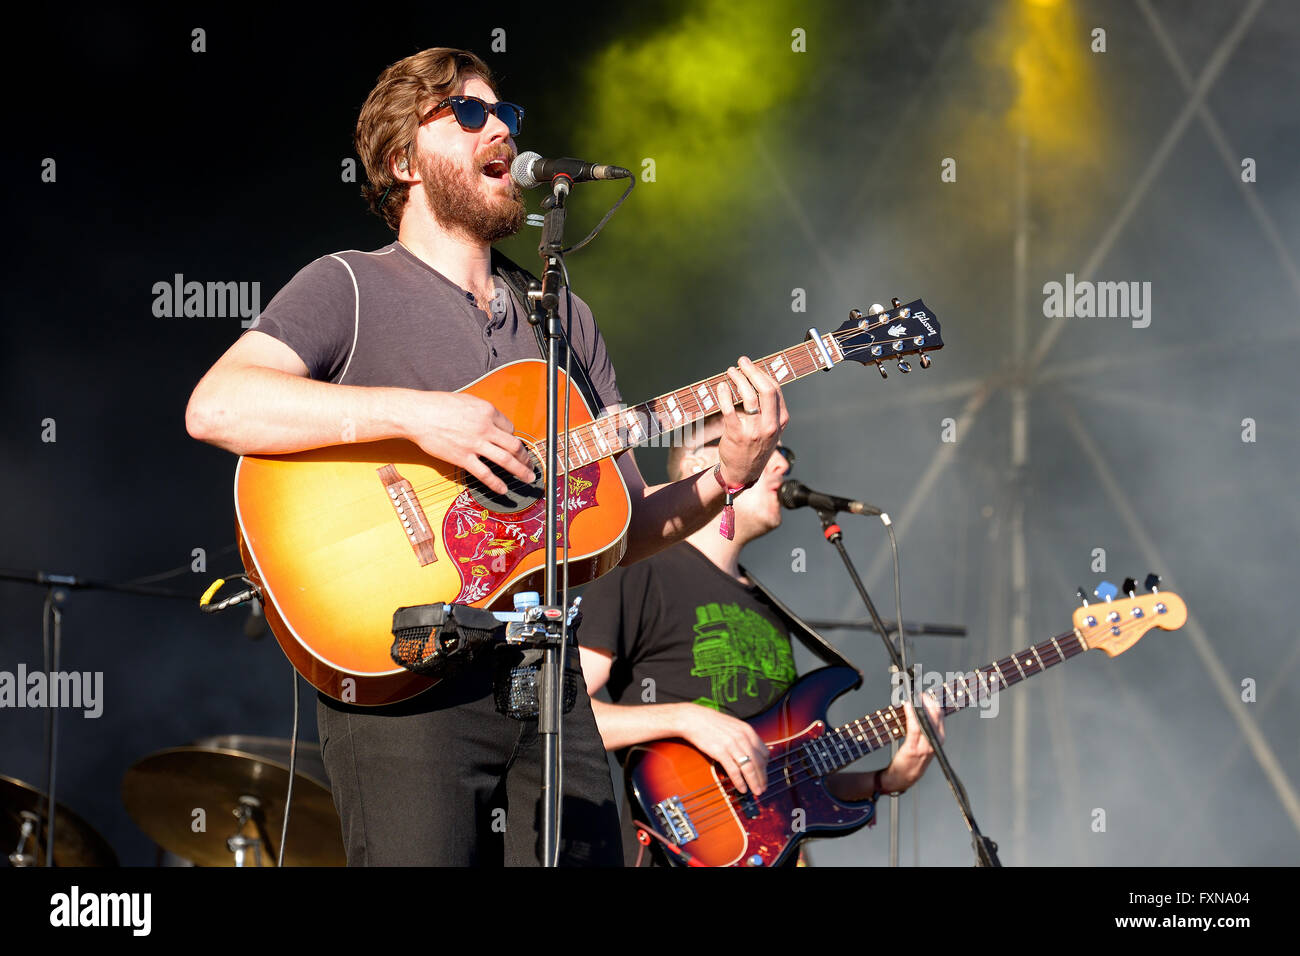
(516, 278)
(808, 637)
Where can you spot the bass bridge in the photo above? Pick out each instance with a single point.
(675, 821)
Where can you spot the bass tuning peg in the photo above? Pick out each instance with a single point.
(1129, 587)
(1152, 583)
(1106, 591)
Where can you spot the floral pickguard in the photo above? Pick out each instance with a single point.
(487, 547)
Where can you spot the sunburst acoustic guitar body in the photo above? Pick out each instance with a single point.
(340, 537)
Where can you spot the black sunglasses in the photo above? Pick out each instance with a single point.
(472, 113)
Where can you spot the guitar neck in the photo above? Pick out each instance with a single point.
(648, 422)
(841, 746)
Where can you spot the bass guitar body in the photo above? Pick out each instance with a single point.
(340, 537)
(691, 801)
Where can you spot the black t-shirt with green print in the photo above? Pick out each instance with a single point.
(681, 629)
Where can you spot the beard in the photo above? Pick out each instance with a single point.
(456, 202)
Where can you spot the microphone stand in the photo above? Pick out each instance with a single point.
(52, 642)
(985, 849)
(546, 309)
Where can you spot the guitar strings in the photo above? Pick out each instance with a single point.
(721, 809)
(878, 740)
(460, 474)
(448, 486)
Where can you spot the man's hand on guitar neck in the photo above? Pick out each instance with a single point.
(904, 770)
(751, 428)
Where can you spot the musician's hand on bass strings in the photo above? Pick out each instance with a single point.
(915, 754)
(731, 742)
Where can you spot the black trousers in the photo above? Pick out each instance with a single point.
(444, 780)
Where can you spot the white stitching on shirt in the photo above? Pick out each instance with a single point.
(356, 317)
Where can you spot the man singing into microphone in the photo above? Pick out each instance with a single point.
(687, 629)
(364, 346)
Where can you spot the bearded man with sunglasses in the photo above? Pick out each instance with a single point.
(689, 631)
(364, 346)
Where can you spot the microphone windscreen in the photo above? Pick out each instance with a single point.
(521, 170)
(793, 494)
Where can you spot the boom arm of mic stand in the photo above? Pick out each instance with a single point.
(985, 849)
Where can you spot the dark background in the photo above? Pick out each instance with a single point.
(776, 170)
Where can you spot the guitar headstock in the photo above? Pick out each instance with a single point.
(882, 334)
(1114, 624)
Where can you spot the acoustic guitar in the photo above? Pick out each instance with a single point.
(339, 537)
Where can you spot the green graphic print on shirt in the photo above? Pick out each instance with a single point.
(737, 650)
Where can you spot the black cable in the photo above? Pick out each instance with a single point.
(599, 226)
(177, 571)
(293, 763)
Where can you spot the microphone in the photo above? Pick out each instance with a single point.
(795, 494)
(530, 170)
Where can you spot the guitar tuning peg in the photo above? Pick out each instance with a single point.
(1129, 587)
(855, 314)
(1105, 591)
(1152, 583)
(894, 302)
(1082, 595)
(904, 367)
(876, 309)
(881, 369)
(925, 360)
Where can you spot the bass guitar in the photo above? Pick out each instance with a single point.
(337, 538)
(688, 800)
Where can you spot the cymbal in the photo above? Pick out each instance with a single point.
(275, 749)
(186, 798)
(76, 842)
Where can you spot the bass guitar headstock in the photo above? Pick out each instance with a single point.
(1114, 624)
(890, 334)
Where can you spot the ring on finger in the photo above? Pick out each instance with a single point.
(742, 761)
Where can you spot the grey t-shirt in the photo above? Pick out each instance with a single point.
(386, 318)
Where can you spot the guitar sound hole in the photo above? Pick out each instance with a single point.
(519, 494)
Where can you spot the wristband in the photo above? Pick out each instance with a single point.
(875, 785)
(728, 527)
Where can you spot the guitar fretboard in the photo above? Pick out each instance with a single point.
(840, 747)
(645, 423)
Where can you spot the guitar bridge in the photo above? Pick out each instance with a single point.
(410, 513)
(674, 819)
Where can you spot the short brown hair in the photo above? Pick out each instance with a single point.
(390, 118)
